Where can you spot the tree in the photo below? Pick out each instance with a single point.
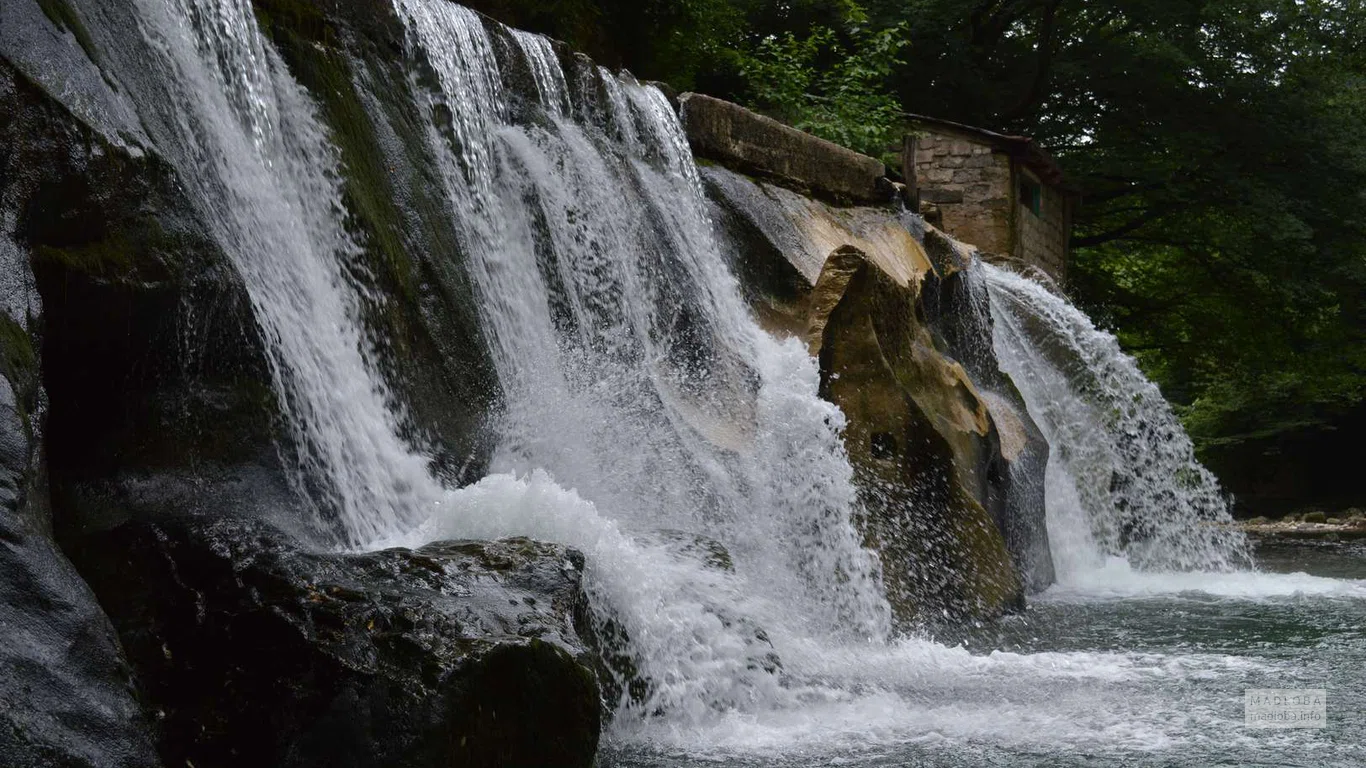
(831, 83)
(1220, 144)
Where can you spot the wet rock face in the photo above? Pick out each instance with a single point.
(922, 444)
(253, 651)
(962, 322)
(66, 693)
(950, 472)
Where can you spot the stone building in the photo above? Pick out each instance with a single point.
(1003, 194)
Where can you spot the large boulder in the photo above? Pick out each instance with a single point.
(130, 348)
(940, 461)
(254, 650)
(922, 442)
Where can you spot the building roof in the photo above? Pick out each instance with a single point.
(1022, 148)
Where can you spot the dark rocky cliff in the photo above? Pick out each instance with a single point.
(137, 421)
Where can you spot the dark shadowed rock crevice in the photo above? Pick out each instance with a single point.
(960, 318)
(66, 692)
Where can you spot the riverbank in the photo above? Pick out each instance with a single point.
(1350, 526)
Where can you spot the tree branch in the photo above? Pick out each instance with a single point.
(1043, 64)
(991, 19)
(1132, 225)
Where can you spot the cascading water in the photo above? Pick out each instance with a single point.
(247, 142)
(1123, 478)
(620, 339)
(633, 375)
(632, 370)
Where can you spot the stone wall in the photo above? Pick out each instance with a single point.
(974, 186)
(738, 138)
(971, 184)
(1042, 240)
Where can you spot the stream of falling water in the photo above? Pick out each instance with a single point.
(256, 160)
(1123, 480)
(647, 416)
(634, 374)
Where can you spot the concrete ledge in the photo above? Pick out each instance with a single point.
(744, 141)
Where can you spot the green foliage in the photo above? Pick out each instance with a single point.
(691, 44)
(830, 84)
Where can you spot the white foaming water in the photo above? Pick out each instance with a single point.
(246, 141)
(1115, 578)
(634, 375)
(1122, 478)
(920, 692)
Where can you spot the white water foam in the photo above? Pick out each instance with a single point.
(920, 692)
(1122, 477)
(634, 375)
(1116, 578)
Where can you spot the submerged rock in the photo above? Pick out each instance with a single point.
(1331, 529)
(255, 651)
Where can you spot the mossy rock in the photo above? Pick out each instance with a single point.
(18, 360)
(419, 304)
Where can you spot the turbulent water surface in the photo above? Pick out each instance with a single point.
(644, 408)
(1115, 668)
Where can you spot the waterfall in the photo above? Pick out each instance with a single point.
(1123, 479)
(647, 417)
(257, 165)
(633, 372)
(648, 420)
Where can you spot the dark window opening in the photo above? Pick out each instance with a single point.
(883, 445)
(1031, 194)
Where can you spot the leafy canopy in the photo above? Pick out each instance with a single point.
(832, 85)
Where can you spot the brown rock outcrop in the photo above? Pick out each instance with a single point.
(933, 454)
